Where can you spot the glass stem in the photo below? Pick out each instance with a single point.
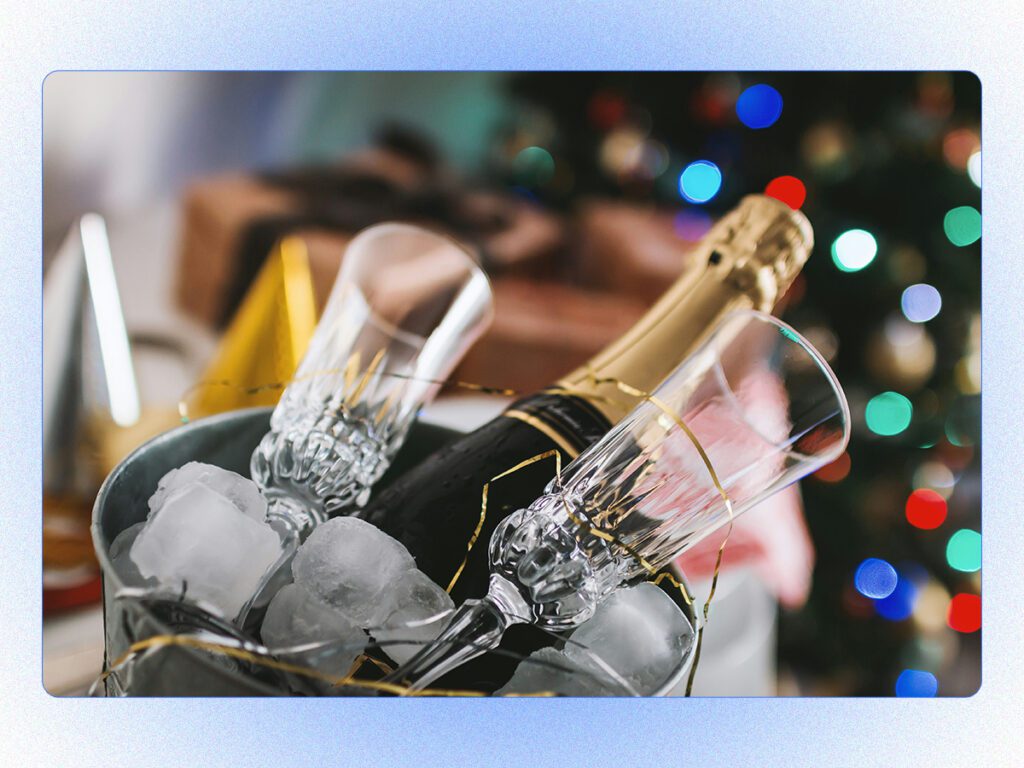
(476, 627)
(293, 521)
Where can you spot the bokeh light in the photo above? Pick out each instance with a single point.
(691, 225)
(888, 414)
(935, 94)
(916, 683)
(835, 471)
(920, 302)
(898, 605)
(974, 168)
(964, 613)
(931, 607)
(936, 476)
(788, 189)
(958, 146)
(963, 552)
(828, 149)
(901, 354)
(962, 225)
(926, 509)
(534, 166)
(968, 374)
(759, 106)
(606, 109)
(875, 578)
(713, 102)
(854, 249)
(700, 181)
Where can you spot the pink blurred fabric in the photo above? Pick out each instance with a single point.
(772, 538)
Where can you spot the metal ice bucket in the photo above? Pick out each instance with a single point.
(226, 440)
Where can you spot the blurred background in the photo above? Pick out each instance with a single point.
(583, 193)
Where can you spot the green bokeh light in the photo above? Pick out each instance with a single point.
(962, 225)
(534, 166)
(963, 553)
(888, 413)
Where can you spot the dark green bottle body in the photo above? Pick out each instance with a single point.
(435, 508)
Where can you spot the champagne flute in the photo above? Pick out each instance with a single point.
(405, 307)
(752, 410)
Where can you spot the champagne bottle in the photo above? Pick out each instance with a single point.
(747, 259)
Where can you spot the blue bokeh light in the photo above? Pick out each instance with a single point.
(899, 604)
(759, 106)
(920, 302)
(700, 181)
(916, 683)
(875, 578)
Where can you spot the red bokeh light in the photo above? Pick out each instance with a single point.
(926, 509)
(836, 471)
(606, 109)
(964, 613)
(788, 189)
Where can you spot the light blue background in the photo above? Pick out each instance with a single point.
(486, 34)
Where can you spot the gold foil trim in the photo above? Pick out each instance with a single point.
(483, 506)
(542, 426)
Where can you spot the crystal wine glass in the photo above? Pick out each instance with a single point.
(752, 410)
(404, 309)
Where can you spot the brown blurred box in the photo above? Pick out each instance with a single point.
(230, 223)
(216, 214)
(629, 249)
(543, 330)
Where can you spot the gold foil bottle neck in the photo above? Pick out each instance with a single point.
(747, 260)
(766, 242)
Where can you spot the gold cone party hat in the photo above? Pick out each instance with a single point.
(266, 339)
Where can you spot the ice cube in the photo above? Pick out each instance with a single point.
(295, 618)
(198, 540)
(638, 632)
(239, 490)
(550, 671)
(354, 566)
(420, 609)
(120, 557)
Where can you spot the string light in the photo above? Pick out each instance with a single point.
(875, 578)
(788, 189)
(926, 509)
(964, 614)
(916, 683)
(963, 552)
(759, 106)
(888, 414)
(854, 249)
(962, 225)
(921, 303)
(700, 181)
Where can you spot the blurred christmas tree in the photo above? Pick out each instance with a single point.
(887, 167)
